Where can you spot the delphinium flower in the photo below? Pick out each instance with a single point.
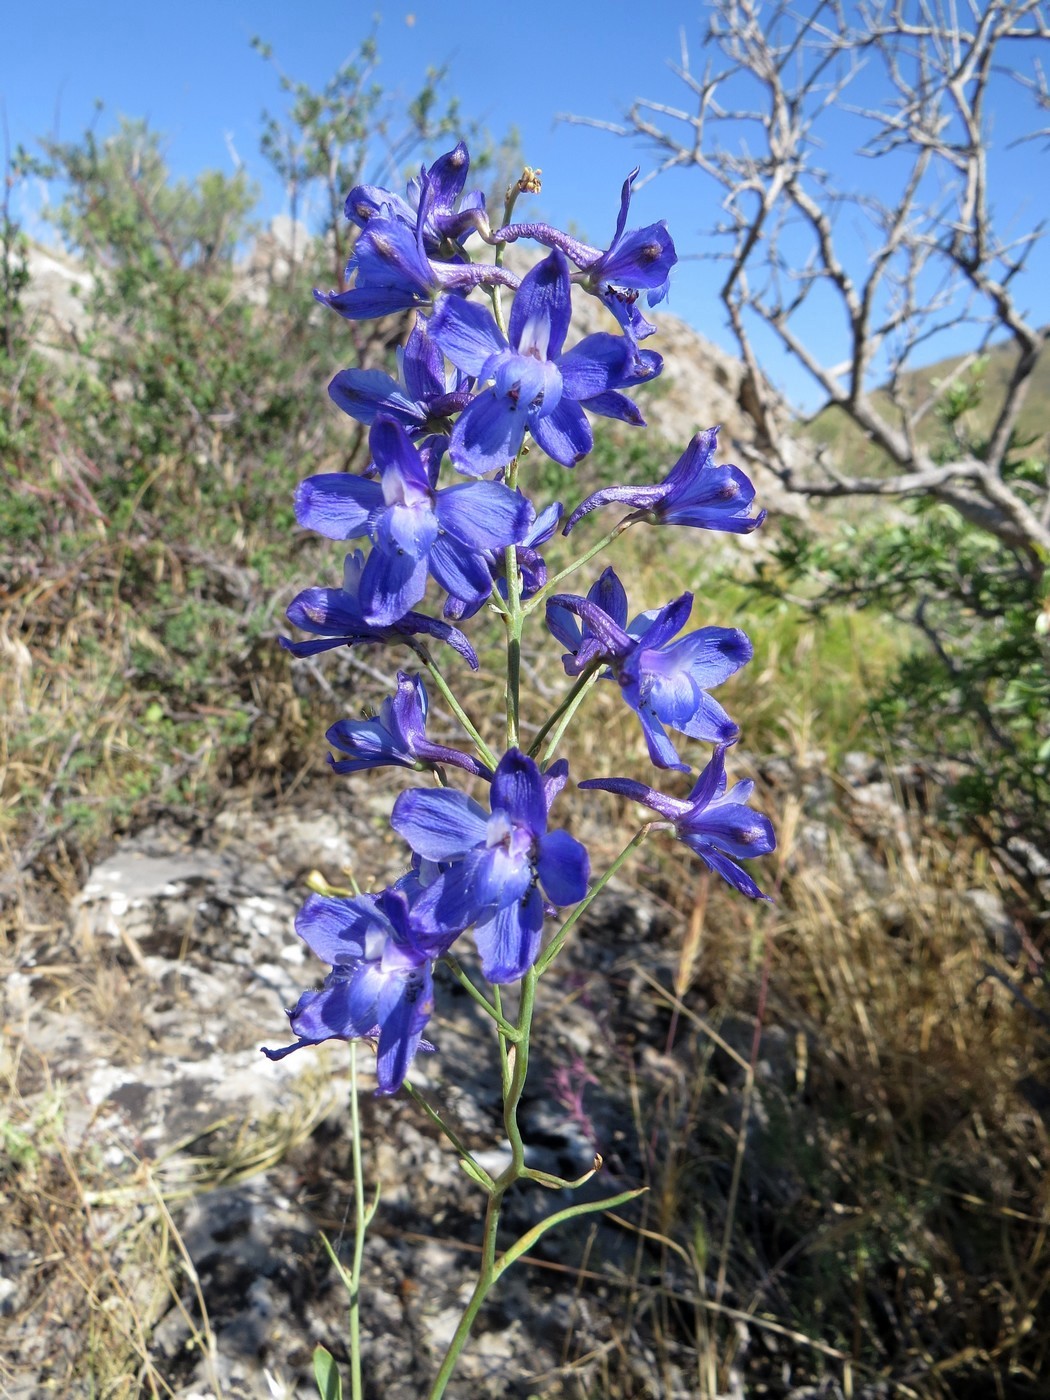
(414, 527)
(718, 825)
(450, 215)
(531, 565)
(694, 492)
(392, 271)
(334, 616)
(422, 398)
(495, 862)
(381, 984)
(534, 385)
(489, 862)
(663, 681)
(396, 737)
(636, 260)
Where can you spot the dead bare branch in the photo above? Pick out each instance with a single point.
(901, 258)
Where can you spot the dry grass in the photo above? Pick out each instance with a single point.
(847, 1173)
(847, 1178)
(108, 1258)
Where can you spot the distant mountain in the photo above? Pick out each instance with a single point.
(831, 427)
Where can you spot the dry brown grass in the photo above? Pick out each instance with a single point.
(108, 1260)
(847, 1178)
(847, 1171)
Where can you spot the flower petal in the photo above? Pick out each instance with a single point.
(710, 654)
(461, 571)
(509, 942)
(365, 392)
(336, 929)
(542, 309)
(564, 867)
(517, 789)
(598, 362)
(402, 1025)
(728, 869)
(392, 581)
(439, 825)
(564, 434)
(488, 433)
(484, 514)
(467, 333)
(338, 505)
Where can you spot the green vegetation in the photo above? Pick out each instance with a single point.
(833, 429)
(971, 692)
(868, 1195)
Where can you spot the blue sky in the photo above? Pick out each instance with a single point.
(190, 70)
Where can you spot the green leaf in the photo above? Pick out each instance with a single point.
(329, 1385)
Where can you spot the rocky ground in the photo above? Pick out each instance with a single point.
(133, 1026)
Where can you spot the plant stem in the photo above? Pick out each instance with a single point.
(482, 1000)
(360, 1225)
(486, 1278)
(504, 1059)
(518, 1070)
(562, 716)
(555, 946)
(477, 1171)
(541, 594)
(490, 1270)
(450, 700)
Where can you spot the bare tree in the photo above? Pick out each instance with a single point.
(914, 80)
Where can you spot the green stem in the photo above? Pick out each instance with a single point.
(360, 1225)
(543, 593)
(450, 700)
(562, 716)
(531, 1237)
(495, 291)
(504, 1059)
(518, 1070)
(482, 1000)
(477, 1171)
(555, 946)
(486, 1278)
(492, 1270)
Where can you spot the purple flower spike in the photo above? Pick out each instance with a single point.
(495, 862)
(718, 825)
(534, 386)
(663, 681)
(415, 529)
(335, 618)
(694, 492)
(380, 987)
(397, 737)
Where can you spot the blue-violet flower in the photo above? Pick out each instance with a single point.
(396, 737)
(414, 528)
(334, 616)
(694, 492)
(494, 862)
(718, 825)
(380, 986)
(534, 385)
(663, 681)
